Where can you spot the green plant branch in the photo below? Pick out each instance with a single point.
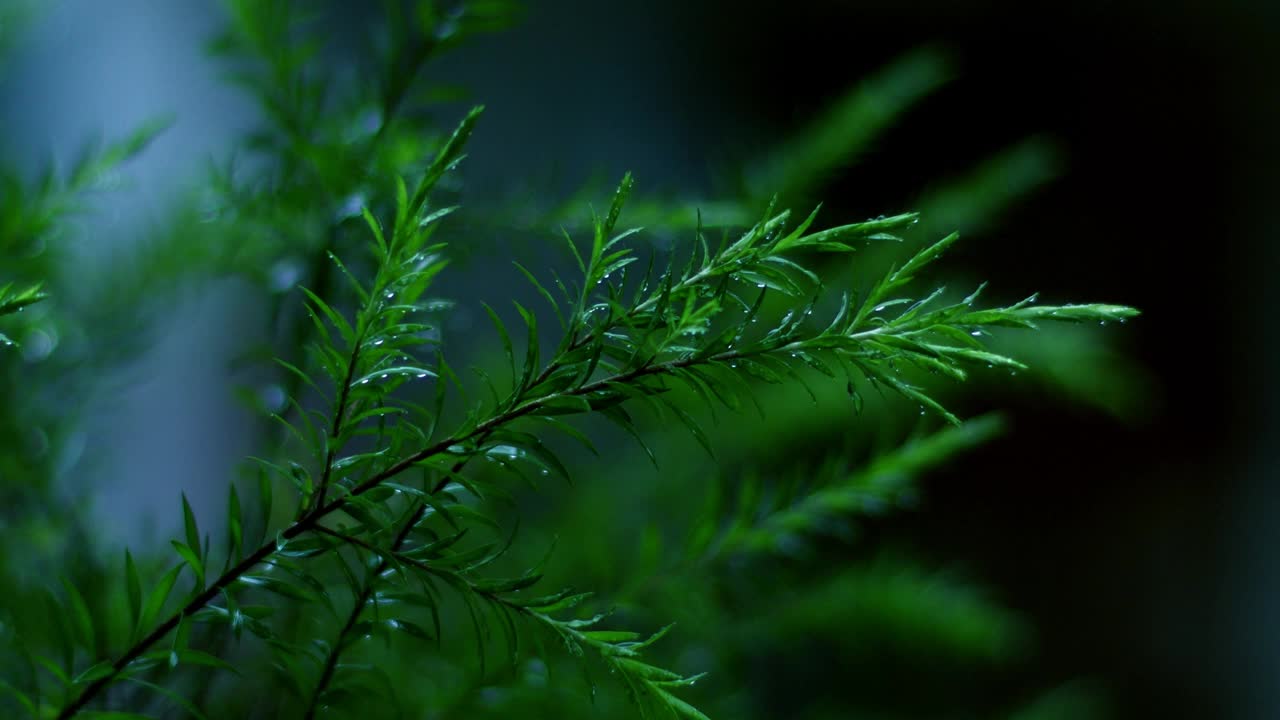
(339, 413)
(331, 660)
(846, 494)
(673, 310)
(366, 592)
(620, 650)
(447, 155)
(311, 520)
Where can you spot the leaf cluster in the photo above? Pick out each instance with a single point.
(373, 520)
(692, 326)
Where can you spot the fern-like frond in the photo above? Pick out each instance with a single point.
(628, 336)
(888, 481)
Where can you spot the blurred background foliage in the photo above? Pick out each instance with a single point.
(1068, 557)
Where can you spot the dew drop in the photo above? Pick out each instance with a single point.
(38, 345)
(272, 397)
(285, 274)
(210, 210)
(379, 341)
(72, 450)
(447, 27)
(39, 443)
(350, 207)
(369, 121)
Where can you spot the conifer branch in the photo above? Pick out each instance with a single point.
(683, 326)
(718, 321)
(367, 589)
(863, 347)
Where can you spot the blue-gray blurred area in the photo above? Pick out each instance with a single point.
(82, 72)
(1156, 574)
(85, 70)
